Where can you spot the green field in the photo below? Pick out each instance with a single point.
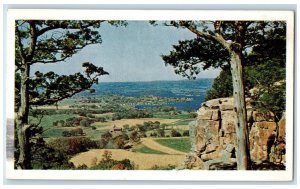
(48, 120)
(181, 143)
(146, 150)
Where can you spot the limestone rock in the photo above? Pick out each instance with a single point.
(216, 115)
(225, 107)
(215, 136)
(192, 161)
(204, 113)
(228, 125)
(281, 127)
(229, 148)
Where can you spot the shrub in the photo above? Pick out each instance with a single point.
(107, 163)
(94, 128)
(72, 145)
(45, 157)
(119, 142)
(54, 123)
(134, 136)
(161, 132)
(175, 133)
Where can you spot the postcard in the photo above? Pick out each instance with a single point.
(149, 95)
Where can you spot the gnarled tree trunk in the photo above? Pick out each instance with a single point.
(24, 161)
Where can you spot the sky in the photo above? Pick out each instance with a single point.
(130, 53)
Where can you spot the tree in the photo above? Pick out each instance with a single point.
(221, 44)
(222, 86)
(48, 42)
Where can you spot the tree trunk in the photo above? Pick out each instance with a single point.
(242, 139)
(24, 161)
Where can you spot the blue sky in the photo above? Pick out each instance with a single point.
(129, 53)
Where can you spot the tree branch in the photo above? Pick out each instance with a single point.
(49, 61)
(21, 51)
(39, 101)
(33, 38)
(44, 30)
(217, 37)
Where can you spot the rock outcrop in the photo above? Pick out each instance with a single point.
(214, 134)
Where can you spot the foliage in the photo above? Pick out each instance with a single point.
(222, 86)
(119, 142)
(269, 94)
(72, 145)
(175, 133)
(105, 138)
(188, 54)
(186, 133)
(134, 136)
(73, 132)
(50, 41)
(107, 163)
(43, 156)
(132, 113)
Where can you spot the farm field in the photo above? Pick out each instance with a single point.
(143, 161)
(87, 127)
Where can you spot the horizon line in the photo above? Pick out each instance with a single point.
(154, 80)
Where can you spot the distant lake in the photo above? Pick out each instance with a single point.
(195, 89)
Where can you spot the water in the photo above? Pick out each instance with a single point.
(194, 89)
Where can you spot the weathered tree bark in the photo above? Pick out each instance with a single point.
(242, 137)
(22, 120)
(24, 161)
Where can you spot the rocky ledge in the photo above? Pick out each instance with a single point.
(214, 141)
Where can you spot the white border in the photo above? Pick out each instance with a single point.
(182, 175)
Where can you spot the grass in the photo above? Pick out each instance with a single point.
(182, 144)
(146, 150)
(48, 120)
(93, 134)
(47, 124)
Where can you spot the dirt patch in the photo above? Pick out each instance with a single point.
(150, 143)
(141, 160)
